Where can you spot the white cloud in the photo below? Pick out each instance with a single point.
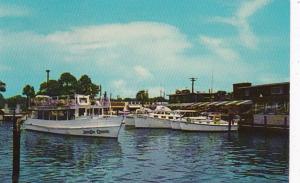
(142, 72)
(240, 21)
(125, 58)
(219, 47)
(13, 11)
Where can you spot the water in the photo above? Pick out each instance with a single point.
(147, 156)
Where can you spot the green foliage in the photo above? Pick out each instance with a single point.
(68, 83)
(18, 99)
(2, 101)
(158, 99)
(2, 86)
(86, 87)
(28, 91)
(52, 88)
(142, 96)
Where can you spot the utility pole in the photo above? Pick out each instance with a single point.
(193, 81)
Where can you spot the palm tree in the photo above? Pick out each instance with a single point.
(29, 92)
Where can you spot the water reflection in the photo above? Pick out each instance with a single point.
(144, 155)
(70, 155)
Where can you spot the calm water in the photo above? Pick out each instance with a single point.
(147, 156)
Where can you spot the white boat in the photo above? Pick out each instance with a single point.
(212, 123)
(183, 114)
(175, 125)
(73, 117)
(160, 118)
(129, 121)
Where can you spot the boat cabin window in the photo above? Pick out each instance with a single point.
(96, 111)
(83, 100)
(81, 111)
(155, 116)
(163, 117)
(62, 115)
(170, 117)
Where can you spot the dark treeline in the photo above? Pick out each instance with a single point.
(67, 84)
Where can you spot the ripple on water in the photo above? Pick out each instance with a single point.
(143, 155)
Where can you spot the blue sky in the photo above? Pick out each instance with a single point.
(140, 44)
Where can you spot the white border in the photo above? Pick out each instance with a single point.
(295, 91)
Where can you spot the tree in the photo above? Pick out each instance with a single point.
(2, 89)
(86, 87)
(68, 83)
(52, 88)
(18, 99)
(142, 96)
(29, 92)
(2, 86)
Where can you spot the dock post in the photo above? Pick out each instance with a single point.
(265, 122)
(16, 148)
(229, 123)
(285, 122)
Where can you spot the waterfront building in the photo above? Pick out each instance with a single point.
(270, 108)
(186, 96)
(267, 98)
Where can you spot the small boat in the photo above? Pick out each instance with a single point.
(160, 118)
(211, 123)
(175, 124)
(75, 116)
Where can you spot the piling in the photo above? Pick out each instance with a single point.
(229, 125)
(16, 148)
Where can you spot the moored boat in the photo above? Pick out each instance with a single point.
(211, 123)
(75, 116)
(160, 118)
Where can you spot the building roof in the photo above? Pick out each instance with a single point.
(180, 105)
(261, 85)
(224, 103)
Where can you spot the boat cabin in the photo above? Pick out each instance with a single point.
(67, 107)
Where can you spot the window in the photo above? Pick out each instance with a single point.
(247, 93)
(276, 90)
(170, 117)
(81, 111)
(83, 100)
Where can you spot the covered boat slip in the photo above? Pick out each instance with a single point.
(203, 105)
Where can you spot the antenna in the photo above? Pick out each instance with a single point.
(212, 81)
(193, 81)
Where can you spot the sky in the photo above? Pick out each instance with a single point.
(129, 45)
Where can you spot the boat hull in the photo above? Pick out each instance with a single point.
(148, 122)
(175, 125)
(129, 121)
(85, 127)
(206, 127)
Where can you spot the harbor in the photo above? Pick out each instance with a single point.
(148, 91)
(189, 126)
(141, 155)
